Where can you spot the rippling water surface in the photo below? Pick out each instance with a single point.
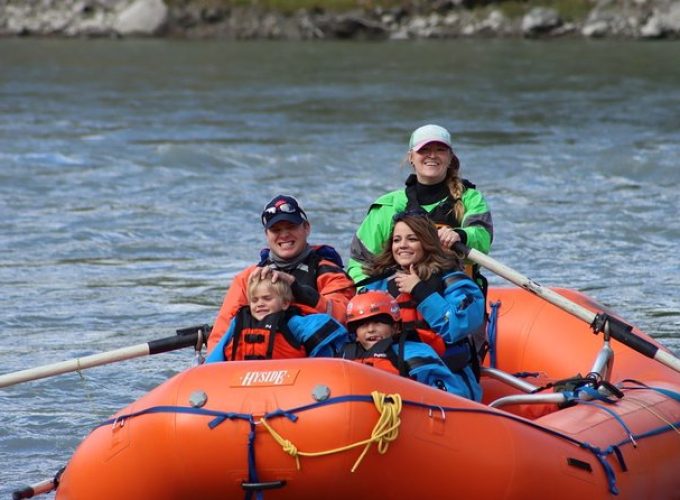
(132, 174)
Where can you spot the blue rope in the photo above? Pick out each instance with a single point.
(653, 432)
(282, 413)
(330, 401)
(608, 470)
(252, 466)
(619, 456)
(221, 415)
(595, 394)
(227, 416)
(492, 330)
(666, 392)
(631, 437)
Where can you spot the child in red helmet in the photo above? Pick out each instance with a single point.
(373, 318)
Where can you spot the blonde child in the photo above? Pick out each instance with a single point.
(269, 327)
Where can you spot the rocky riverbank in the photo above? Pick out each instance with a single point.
(633, 19)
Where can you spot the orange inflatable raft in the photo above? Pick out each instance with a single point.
(329, 428)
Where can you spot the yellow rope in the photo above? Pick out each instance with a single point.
(645, 406)
(385, 431)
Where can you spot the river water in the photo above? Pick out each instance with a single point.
(132, 175)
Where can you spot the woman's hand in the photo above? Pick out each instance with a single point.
(406, 281)
(447, 237)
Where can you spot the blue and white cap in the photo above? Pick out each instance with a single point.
(283, 208)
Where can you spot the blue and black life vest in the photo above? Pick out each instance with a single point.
(456, 356)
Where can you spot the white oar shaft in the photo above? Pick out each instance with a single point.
(34, 490)
(667, 359)
(528, 284)
(193, 336)
(39, 488)
(73, 365)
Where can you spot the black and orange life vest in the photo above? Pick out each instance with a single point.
(269, 338)
(380, 355)
(411, 317)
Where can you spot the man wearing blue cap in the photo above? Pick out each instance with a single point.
(314, 273)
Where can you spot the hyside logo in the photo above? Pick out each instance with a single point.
(275, 377)
(266, 378)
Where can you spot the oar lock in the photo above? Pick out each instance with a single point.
(202, 333)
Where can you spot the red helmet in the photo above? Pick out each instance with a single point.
(370, 304)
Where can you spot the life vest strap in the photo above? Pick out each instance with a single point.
(419, 361)
(453, 278)
(383, 348)
(245, 327)
(457, 356)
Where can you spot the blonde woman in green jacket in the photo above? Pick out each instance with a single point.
(459, 210)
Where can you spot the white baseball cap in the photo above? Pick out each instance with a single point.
(429, 133)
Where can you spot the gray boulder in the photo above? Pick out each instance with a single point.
(664, 22)
(142, 18)
(539, 21)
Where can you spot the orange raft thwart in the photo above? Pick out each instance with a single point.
(310, 428)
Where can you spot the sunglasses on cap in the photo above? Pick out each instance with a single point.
(282, 208)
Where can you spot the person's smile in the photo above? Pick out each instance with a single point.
(287, 240)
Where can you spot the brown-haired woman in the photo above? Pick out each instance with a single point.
(438, 301)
